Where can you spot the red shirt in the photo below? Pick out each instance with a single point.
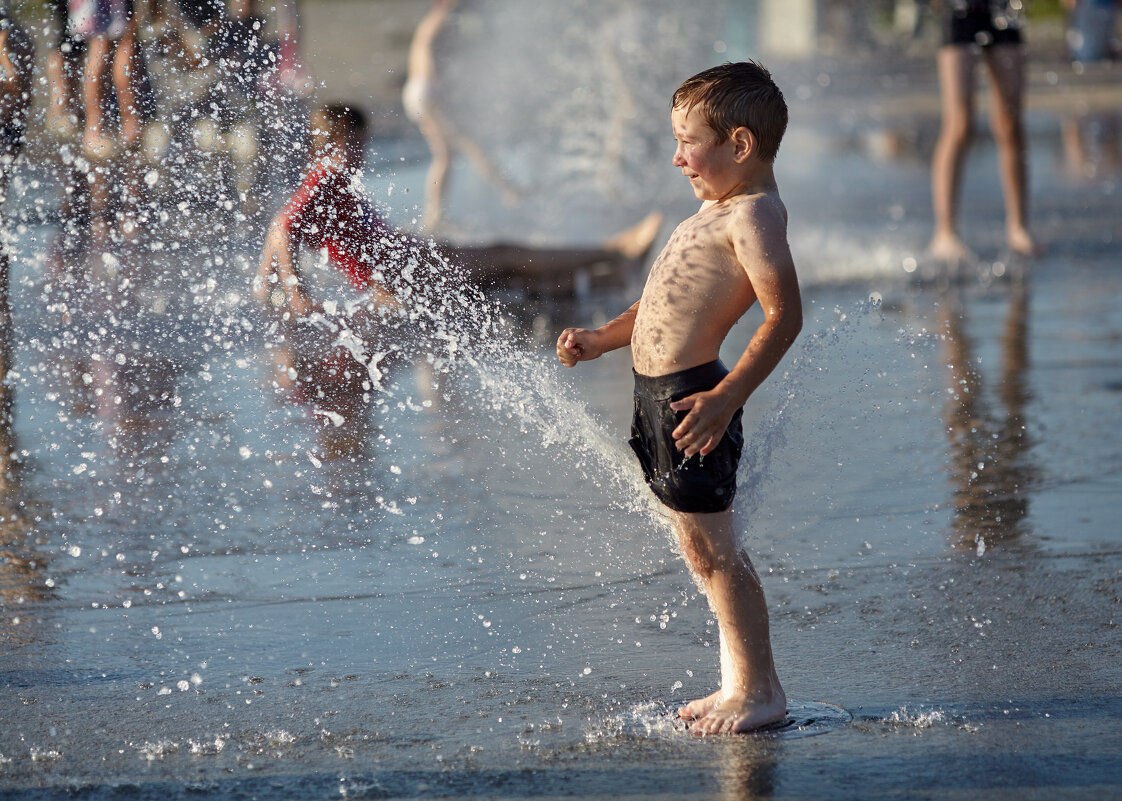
(329, 211)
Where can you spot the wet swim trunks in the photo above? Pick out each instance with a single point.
(980, 22)
(697, 484)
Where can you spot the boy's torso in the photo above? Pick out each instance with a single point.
(696, 291)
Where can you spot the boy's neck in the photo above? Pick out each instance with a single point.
(756, 177)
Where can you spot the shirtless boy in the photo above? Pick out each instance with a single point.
(728, 122)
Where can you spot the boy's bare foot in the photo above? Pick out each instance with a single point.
(700, 707)
(949, 248)
(740, 713)
(634, 242)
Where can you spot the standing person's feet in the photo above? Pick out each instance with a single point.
(946, 246)
(132, 132)
(98, 147)
(60, 123)
(1021, 242)
(700, 707)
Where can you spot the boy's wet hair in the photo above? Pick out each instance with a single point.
(734, 95)
(345, 120)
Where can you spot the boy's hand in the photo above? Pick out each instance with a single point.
(703, 427)
(578, 345)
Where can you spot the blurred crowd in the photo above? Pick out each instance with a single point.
(142, 89)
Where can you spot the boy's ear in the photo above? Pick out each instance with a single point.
(744, 143)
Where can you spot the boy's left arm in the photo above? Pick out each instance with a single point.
(759, 240)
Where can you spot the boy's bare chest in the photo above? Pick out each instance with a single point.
(698, 258)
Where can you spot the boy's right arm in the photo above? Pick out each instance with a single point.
(581, 345)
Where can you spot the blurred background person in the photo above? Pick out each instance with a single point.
(986, 31)
(442, 137)
(65, 67)
(1091, 141)
(113, 62)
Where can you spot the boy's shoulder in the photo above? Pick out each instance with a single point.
(757, 215)
(750, 206)
(757, 207)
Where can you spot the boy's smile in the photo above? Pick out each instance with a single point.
(709, 166)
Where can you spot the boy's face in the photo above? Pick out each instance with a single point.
(708, 165)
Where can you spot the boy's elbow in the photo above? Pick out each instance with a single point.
(796, 321)
(791, 323)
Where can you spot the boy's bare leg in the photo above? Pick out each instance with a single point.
(127, 69)
(501, 261)
(750, 695)
(437, 172)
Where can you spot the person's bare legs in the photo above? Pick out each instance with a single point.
(750, 695)
(956, 92)
(61, 118)
(97, 145)
(437, 172)
(1075, 152)
(128, 69)
(636, 241)
(1005, 65)
(484, 166)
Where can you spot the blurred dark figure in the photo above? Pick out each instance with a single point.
(988, 31)
(1091, 141)
(65, 118)
(23, 582)
(65, 68)
(249, 110)
(243, 50)
(16, 52)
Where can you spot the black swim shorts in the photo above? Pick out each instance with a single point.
(979, 22)
(700, 483)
